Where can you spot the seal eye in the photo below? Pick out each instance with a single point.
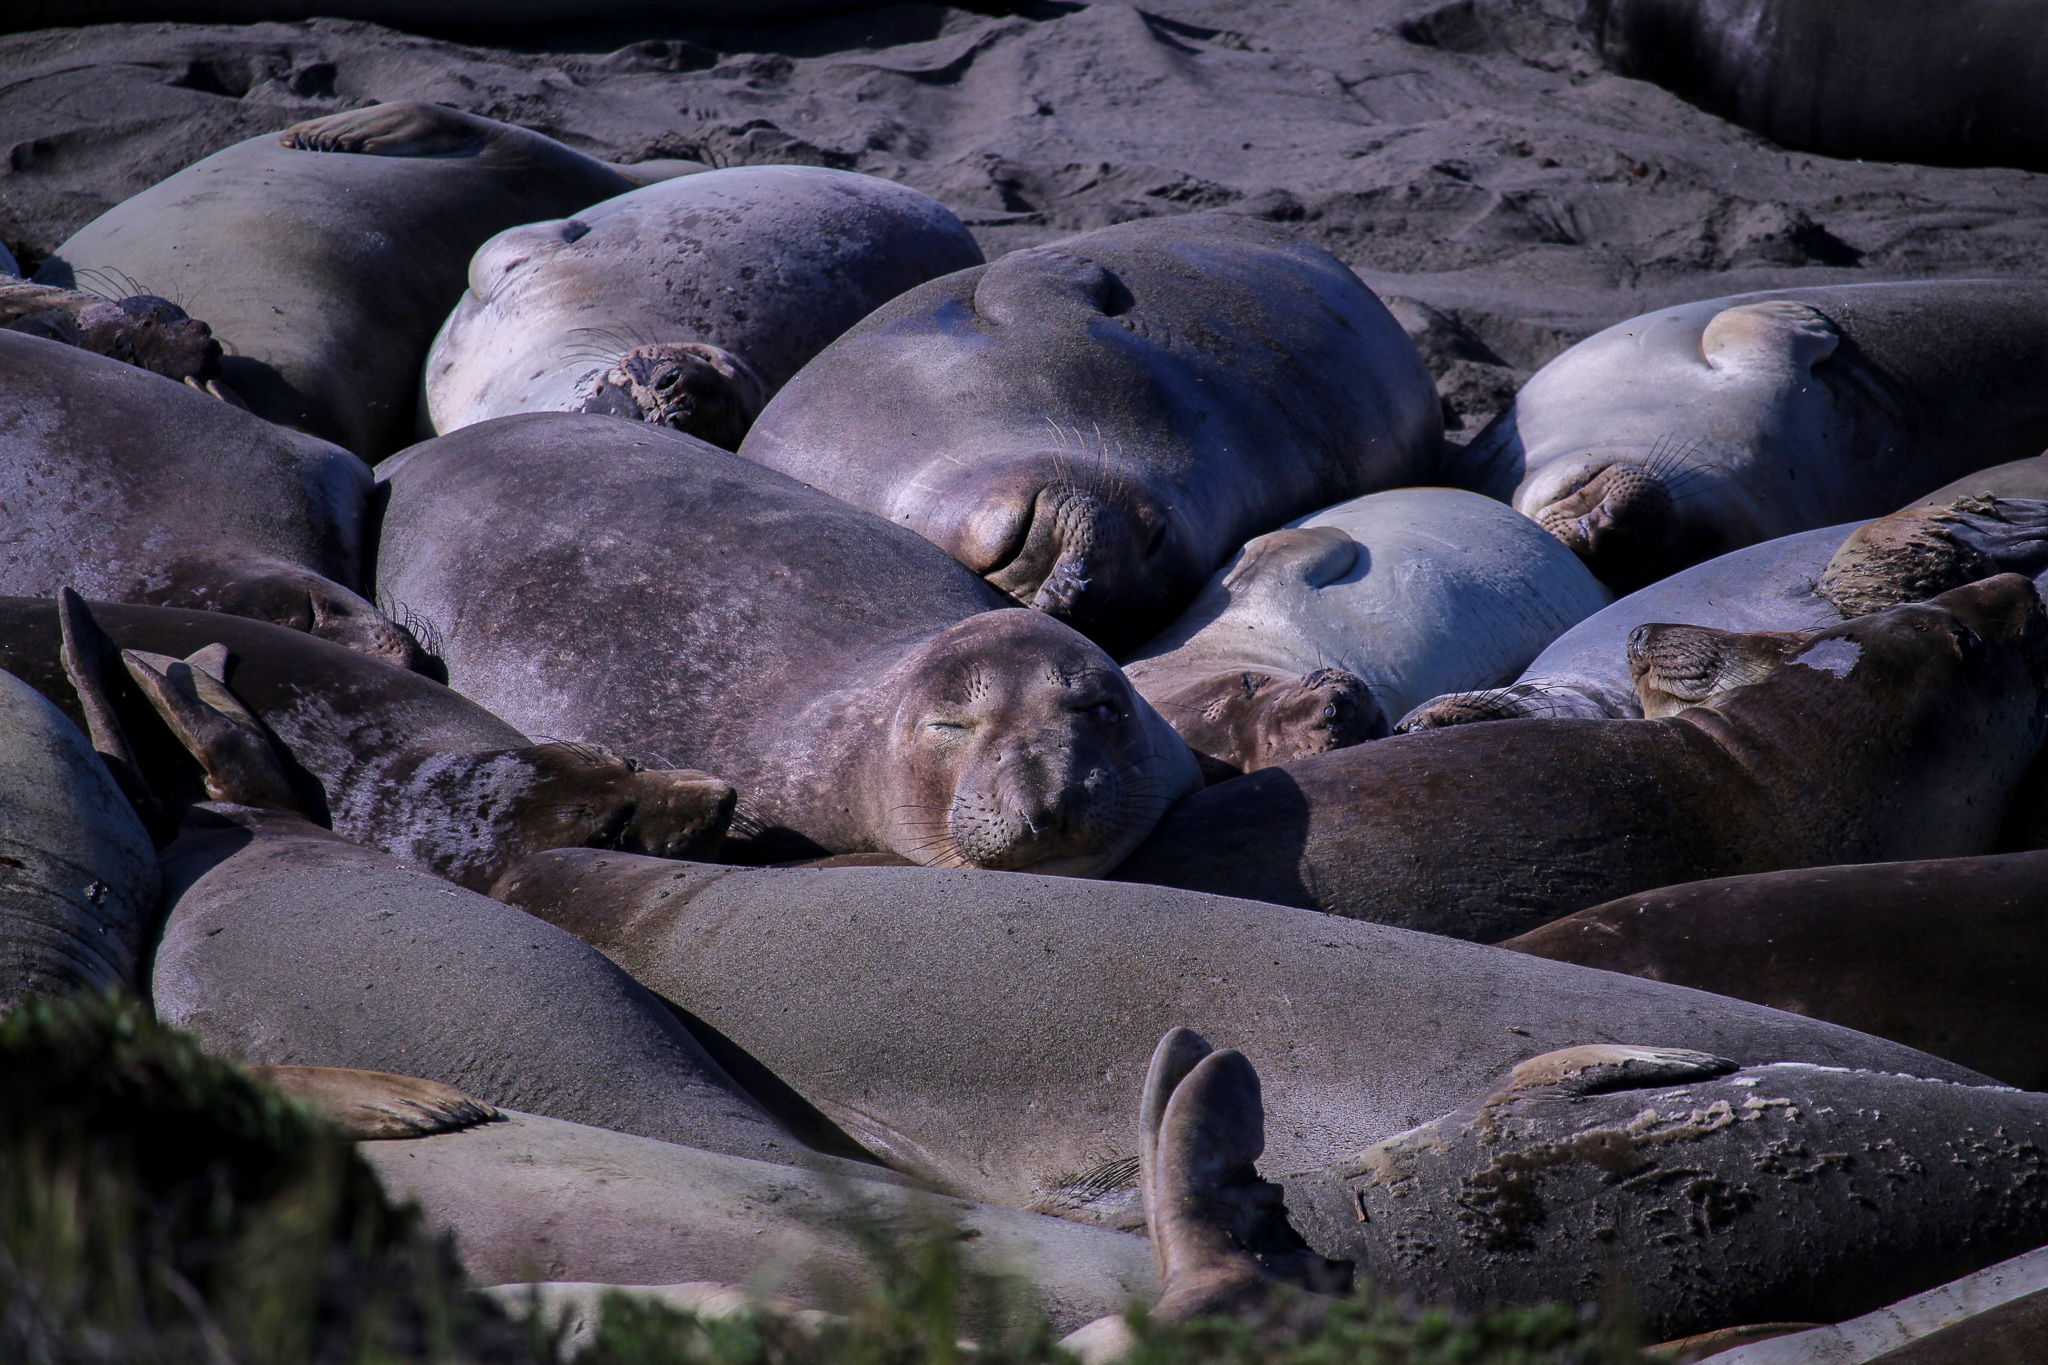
(946, 729)
(1158, 539)
(1106, 712)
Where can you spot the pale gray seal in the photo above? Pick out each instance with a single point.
(687, 303)
(1411, 593)
(1695, 430)
(1900, 735)
(1828, 75)
(622, 584)
(986, 1033)
(78, 875)
(394, 760)
(1710, 1194)
(1096, 425)
(325, 257)
(130, 488)
(537, 1198)
(1808, 581)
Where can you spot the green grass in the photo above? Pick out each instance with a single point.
(159, 1207)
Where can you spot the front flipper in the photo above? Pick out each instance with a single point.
(90, 659)
(401, 128)
(1516, 701)
(373, 1105)
(1922, 552)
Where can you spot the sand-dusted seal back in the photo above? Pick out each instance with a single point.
(394, 760)
(78, 875)
(326, 257)
(1408, 594)
(1695, 430)
(687, 303)
(892, 990)
(1896, 736)
(621, 584)
(129, 488)
(1096, 425)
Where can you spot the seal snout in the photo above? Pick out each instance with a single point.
(1677, 666)
(689, 387)
(1622, 521)
(1239, 721)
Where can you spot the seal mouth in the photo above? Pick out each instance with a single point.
(690, 387)
(1676, 667)
(1239, 722)
(1622, 521)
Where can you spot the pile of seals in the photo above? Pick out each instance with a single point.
(814, 709)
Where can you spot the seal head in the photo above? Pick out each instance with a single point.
(688, 386)
(1238, 721)
(1017, 745)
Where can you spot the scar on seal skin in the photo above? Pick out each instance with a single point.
(142, 330)
(1922, 552)
(1236, 722)
(690, 387)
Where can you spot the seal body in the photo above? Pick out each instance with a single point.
(1825, 75)
(129, 488)
(1405, 591)
(405, 14)
(580, 1203)
(621, 584)
(326, 257)
(2024, 479)
(287, 945)
(1711, 1195)
(78, 875)
(1097, 425)
(687, 302)
(989, 1033)
(1946, 956)
(1695, 430)
(400, 762)
(1896, 736)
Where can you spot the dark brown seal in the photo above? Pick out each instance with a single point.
(1896, 736)
(621, 584)
(143, 330)
(1946, 955)
(327, 256)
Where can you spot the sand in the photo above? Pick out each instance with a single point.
(1472, 161)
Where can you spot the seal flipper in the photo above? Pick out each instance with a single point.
(401, 128)
(1922, 552)
(240, 764)
(376, 1105)
(88, 655)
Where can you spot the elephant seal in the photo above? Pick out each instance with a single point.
(129, 488)
(2023, 480)
(853, 682)
(78, 875)
(397, 761)
(1696, 430)
(141, 329)
(1946, 956)
(1825, 75)
(894, 987)
(494, 16)
(540, 1198)
(1708, 1193)
(687, 303)
(1808, 581)
(1892, 737)
(1096, 425)
(325, 257)
(1411, 593)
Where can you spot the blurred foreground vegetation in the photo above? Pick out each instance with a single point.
(160, 1207)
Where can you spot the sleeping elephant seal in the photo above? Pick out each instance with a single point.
(1827, 75)
(143, 330)
(986, 1033)
(399, 762)
(1808, 581)
(539, 1197)
(78, 874)
(1406, 595)
(622, 584)
(1895, 736)
(1947, 956)
(129, 488)
(1096, 425)
(1704, 1193)
(1689, 432)
(326, 257)
(688, 302)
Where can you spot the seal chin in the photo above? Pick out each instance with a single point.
(1238, 722)
(1622, 521)
(689, 387)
